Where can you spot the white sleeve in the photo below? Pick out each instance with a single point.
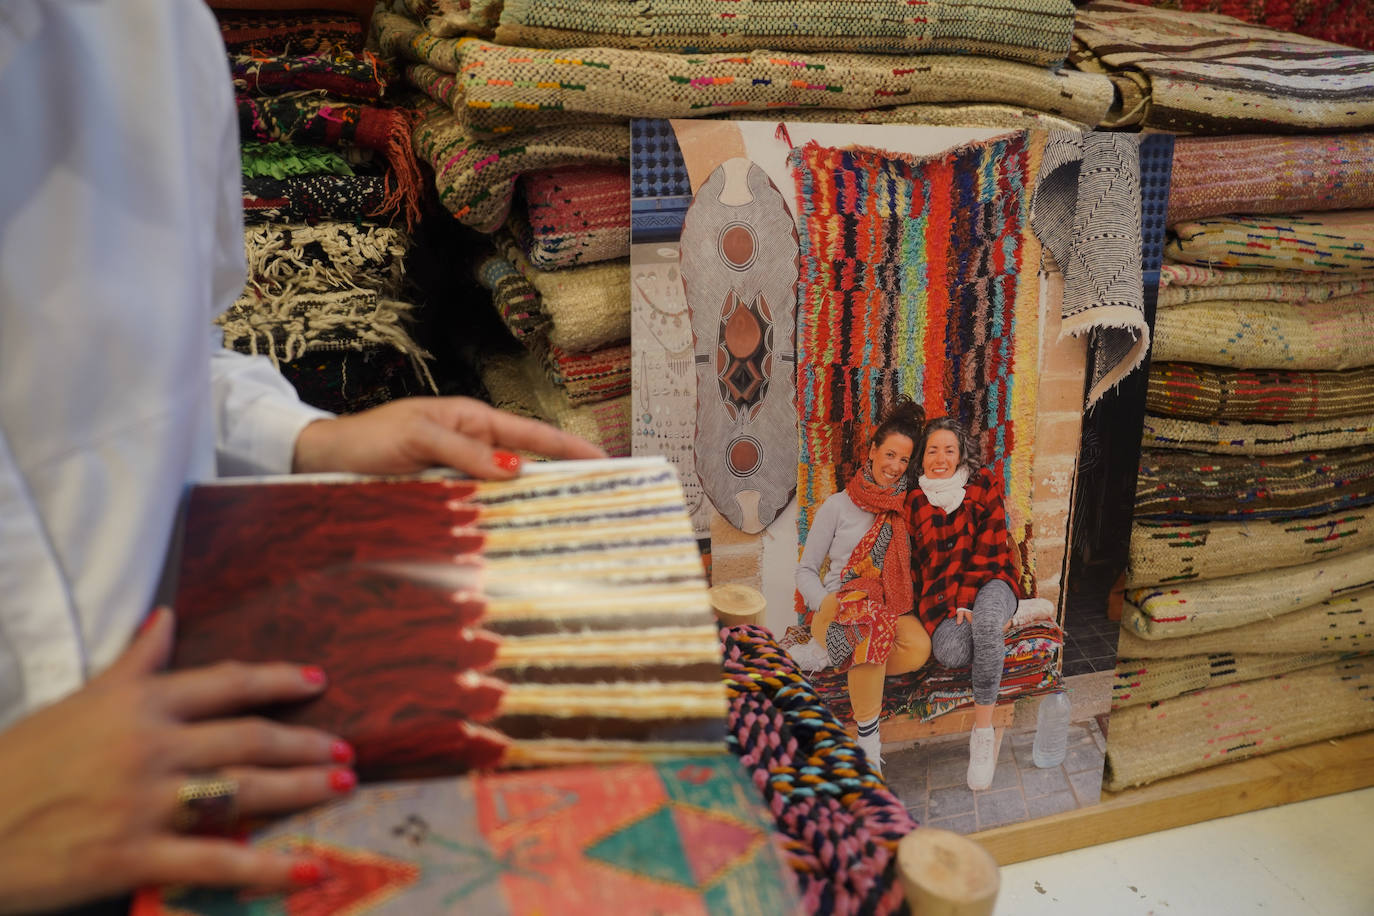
(258, 415)
(818, 541)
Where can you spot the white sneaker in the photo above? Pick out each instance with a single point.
(1030, 610)
(810, 656)
(872, 747)
(982, 757)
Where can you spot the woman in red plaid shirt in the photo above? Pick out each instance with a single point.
(963, 575)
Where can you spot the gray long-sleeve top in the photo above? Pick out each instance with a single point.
(834, 532)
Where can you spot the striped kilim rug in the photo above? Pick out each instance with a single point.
(1164, 553)
(1341, 624)
(1210, 727)
(1338, 241)
(1175, 611)
(1149, 680)
(1216, 175)
(1337, 334)
(1204, 74)
(897, 295)
(518, 383)
(497, 86)
(1031, 31)
(515, 300)
(1198, 487)
(587, 378)
(588, 306)
(1183, 283)
(1258, 438)
(476, 177)
(1195, 392)
(576, 215)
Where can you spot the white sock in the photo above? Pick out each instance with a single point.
(871, 741)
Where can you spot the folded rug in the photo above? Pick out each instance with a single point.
(500, 86)
(1183, 609)
(588, 306)
(1336, 241)
(1200, 73)
(1336, 334)
(587, 378)
(359, 77)
(1203, 729)
(350, 381)
(284, 260)
(518, 383)
(1216, 175)
(318, 197)
(1149, 680)
(476, 178)
(1342, 624)
(1163, 553)
(952, 114)
(1183, 283)
(1189, 485)
(306, 32)
(1258, 438)
(1031, 31)
(576, 215)
(1342, 21)
(515, 300)
(451, 18)
(1196, 392)
(290, 160)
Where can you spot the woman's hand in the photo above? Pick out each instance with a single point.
(413, 434)
(89, 789)
(963, 615)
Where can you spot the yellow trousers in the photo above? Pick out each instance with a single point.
(910, 650)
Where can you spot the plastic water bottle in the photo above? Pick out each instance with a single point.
(1051, 730)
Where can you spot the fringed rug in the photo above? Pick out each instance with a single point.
(899, 295)
(261, 32)
(841, 822)
(1191, 486)
(476, 178)
(1214, 74)
(1211, 727)
(1336, 242)
(502, 86)
(519, 384)
(1164, 553)
(1180, 284)
(1337, 334)
(1172, 612)
(343, 75)
(577, 215)
(1140, 681)
(1216, 175)
(1341, 624)
(1031, 666)
(1194, 392)
(289, 160)
(1031, 31)
(284, 260)
(1258, 438)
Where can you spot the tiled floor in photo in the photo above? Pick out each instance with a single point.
(930, 778)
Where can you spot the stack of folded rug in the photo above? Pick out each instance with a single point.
(330, 188)
(1248, 618)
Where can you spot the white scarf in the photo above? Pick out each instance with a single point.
(945, 492)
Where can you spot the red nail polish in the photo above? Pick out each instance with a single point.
(342, 781)
(506, 461)
(313, 674)
(147, 622)
(341, 752)
(307, 872)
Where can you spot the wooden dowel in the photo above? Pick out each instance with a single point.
(946, 874)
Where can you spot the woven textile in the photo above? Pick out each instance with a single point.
(841, 822)
(1086, 210)
(1216, 175)
(575, 215)
(1140, 681)
(515, 300)
(588, 306)
(1162, 553)
(342, 75)
(1211, 727)
(1213, 74)
(451, 18)
(476, 178)
(500, 86)
(587, 378)
(900, 296)
(518, 383)
(1345, 22)
(1337, 334)
(1337, 242)
(287, 160)
(350, 381)
(315, 198)
(1180, 284)
(1255, 395)
(284, 260)
(1173, 611)
(1188, 485)
(1341, 624)
(1031, 31)
(260, 32)
(1257, 438)
(1031, 666)
(1012, 117)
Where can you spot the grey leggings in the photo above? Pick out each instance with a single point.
(981, 643)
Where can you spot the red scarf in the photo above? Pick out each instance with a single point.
(885, 544)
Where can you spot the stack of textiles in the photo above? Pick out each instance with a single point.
(1251, 582)
(330, 190)
(1346, 22)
